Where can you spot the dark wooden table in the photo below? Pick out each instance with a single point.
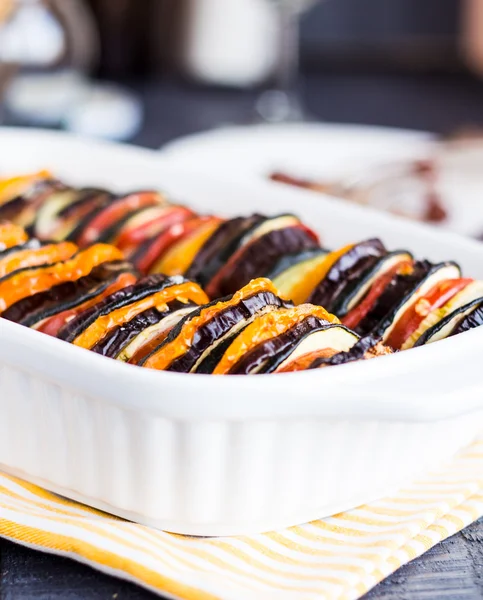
(453, 570)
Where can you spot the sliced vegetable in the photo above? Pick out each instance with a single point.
(348, 268)
(34, 310)
(111, 314)
(257, 256)
(29, 281)
(355, 292)
(201, 332)
(125, 340)
(17, 186)
(435, 298)
(220, 246)
(150, 223)
(11, 235)
(116, 212)
(152, 250)
(308, 336)
(440, 323)
(401, 293)
(265, 328)
(178, 258)
(34, 255)
(472, 319)
(22, 210)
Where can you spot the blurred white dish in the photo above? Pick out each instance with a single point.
(309, 149)
(346, 153)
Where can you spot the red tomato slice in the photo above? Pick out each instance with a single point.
(165, 240)
(129, 239)
(52, 325)
(116, 211)
(437, 297)
(355, 316)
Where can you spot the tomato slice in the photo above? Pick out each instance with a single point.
(39, 279)
(151, 260)
(437, 297)
(39, 256)
(181, 344)
(52, 325)
(180, 255)
(11, 235)
(267, 326)
(355, 316)
(115, 212)
(128, 240)
(302, 363)
(185, 292)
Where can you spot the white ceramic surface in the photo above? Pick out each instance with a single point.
(211, 455)
(331, 152)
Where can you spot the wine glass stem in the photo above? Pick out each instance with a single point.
(286, 70)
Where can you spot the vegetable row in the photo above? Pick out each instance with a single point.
(388, 295)
(95, 299)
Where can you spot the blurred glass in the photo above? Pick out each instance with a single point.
(282, 102)
(47, 48)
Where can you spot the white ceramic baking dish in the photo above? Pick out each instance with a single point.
(211, 455)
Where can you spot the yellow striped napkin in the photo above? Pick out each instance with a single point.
(338, 558)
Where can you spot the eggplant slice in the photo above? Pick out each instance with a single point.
(31, 311)
(259, 252)
(355, 291)
(357, 261)
(366, 348)
(472, 320)
(125, 340)
(307, 336)
(142, 289)
(208, 340)
(220, 247)
(401, 293)
(450, 325)
(467, 296)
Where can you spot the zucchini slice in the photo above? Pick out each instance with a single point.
(355, 291)
(202, 332)
(348, 268)
(310, 335)
(402, 292)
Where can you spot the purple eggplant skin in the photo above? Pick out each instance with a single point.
(267, 356)
(471, 321)
(220, 247)
(340, 306)
(357, 352)
(116, 340)
(64, 296)
(259, 257)
(349, 268)
(218, 327)
(142, 289)
(394, 296)
(40, 191)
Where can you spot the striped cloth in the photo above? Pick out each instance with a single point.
(338, 558)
